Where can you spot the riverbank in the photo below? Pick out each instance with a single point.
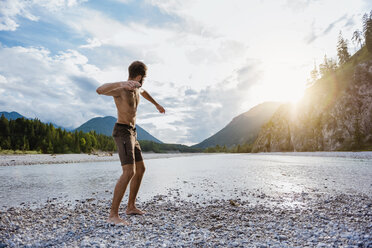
(289, 220)
(30, 159)
(337, 154)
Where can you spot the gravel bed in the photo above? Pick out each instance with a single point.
(287, 220)
(345, 154)
(31, 159)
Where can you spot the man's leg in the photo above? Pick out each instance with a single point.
(121, 186)
(134, 187)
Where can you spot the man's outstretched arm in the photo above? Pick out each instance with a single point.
(113, 89)
(150, 99)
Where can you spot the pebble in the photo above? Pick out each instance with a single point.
(324, 220)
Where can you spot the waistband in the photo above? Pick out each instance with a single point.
(125, 126)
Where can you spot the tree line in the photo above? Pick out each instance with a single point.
(33, 135)
(147, 146)
(361, 38)
(244, 148)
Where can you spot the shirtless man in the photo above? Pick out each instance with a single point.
(126, 97)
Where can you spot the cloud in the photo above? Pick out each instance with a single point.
(198, 60)
(58, 88)
(12, 10)
(9, 10)
(118, 43)
(350, 22)
(194, 115)
(92, 43)
(299, 5)
(332, 25)
(124, 1)
(190, 92)
(61, 89)
(312, 36)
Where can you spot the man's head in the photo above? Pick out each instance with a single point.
(137, 71)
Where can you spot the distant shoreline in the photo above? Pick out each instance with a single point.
(33, 159)
(340, 154)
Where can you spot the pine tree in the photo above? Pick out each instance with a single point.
(4, 127)
(50, 149)
(224, 149)
(357, 38)
(367, 30)
(328, 66)
(239, 149)
(342, 50)
(23, 134)
(314, 75)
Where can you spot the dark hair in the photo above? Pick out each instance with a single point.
(137, 68)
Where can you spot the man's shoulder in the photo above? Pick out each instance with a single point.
(127, 94)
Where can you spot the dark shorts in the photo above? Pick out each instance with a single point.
(125, 138)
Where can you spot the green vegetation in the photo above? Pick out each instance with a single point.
(246, 148)
(33, 135)
(367, 30)
(330, 70)
(151, 146)
(16, 152)
(335, 77)
(342, 50)
(23, 136)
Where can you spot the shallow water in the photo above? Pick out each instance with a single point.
(226, 176)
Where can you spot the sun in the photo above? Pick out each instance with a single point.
(283, 92)
(292, 94)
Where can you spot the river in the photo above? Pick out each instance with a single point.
(198, 177)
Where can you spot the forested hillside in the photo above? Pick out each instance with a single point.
(336, 111)
(33, 135)
(25, 134)
(243, 129)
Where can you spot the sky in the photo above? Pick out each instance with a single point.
(208, 60)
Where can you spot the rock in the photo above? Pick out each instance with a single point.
(282, 237)
(215, 227)
(234, 203)
(179, 222)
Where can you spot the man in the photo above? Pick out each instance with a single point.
(126, 97)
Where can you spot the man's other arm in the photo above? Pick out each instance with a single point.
(150, 99)
(113, 89)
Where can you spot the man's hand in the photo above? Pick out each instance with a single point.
(160, 108)
(131, 85)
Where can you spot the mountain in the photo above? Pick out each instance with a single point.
(15, 115)
(104, 125)
(242, 129)
(11, 115)
(334, 114)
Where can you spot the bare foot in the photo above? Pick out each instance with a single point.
(134, 211)
(117, 221)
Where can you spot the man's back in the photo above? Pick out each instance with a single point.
(126, 103)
